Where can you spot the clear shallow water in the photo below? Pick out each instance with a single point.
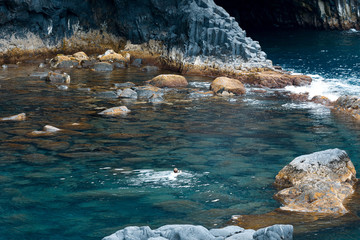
(106, 173)
(330, 57)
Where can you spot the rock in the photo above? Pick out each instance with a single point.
(318, 182)
(18, 117)
(107, 94)
(127, 57)
(42, 65)
(226, 231)
(103, 67)
(119, 65)
(150, 69)
(88, 63)
(230, 85)
(54, 77)
(275, 232)
(201, 94)
(128, 93)
(113, 57)
(41, 75)
(169, 80)
(115, 111)
(132, 233)
(137, 62)
(62, 61)
(147, 92)
(322, 100)
(124, 85)
(156, 98)
(246, 235)
(184, 232)
(47, 130)
(349, 104)
(80, 56)
(63, 87)
(273, 79)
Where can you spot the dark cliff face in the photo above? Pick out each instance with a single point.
(191, 31)
(321, 14)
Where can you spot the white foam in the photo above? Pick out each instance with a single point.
(330, 88)
(200, 84)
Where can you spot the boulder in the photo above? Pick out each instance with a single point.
(318, 182)
(150, 69)
(169, 80)
(156, 98)
(275, 232)
(47, 130)
(226, 231)
(349, 104)
(273, 79)
(106, 94)
(147, 92)
(132, 233)
(113, 57)
(115, 111)
(221, 84)
(54, 77)
(88, 63)
(62, 61)
(103, 67)
(80, 56)
(18, 117)
(246, 235)
(128, 93)
(184, 232)
(137, 62)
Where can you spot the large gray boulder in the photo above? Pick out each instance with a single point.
(182, 232)
(275, 232)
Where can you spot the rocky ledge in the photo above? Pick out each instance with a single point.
(191, 232)
(188, 36)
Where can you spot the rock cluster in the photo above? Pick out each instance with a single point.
(318, 182)
(191, 232)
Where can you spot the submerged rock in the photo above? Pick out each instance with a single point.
(147, 92)
(230, 85)
(150, 69)
(103, 67)
(124, 85)
(169, 80)
(128, 93)
(54, 77)
(191, 232)
(47, 130)
(115, 111)
(18, 117)
(318, 182)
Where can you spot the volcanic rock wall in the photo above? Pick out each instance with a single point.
(321, 14)
(195, 32)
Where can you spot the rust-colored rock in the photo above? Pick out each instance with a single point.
(169, 80)
(115, 111)
(318, 182)
(80, 56)
(230, 85)
(273, 79)
(112, 56)
(349, 105)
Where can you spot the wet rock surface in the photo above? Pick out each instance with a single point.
(17, 117)
(318, 182)
(230, 85)
(349, 105)
(191, 232)
(115, 111)
(54, 77)
(169, 80)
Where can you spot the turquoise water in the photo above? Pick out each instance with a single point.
(103, 174)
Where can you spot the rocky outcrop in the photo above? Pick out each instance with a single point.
(318, 182)
(191, 232)
(221, 84)
(195, 32)
(325, 14)
(349, 105)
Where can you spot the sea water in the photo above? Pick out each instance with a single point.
(102, 174)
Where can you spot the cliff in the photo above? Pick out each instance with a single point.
(320, 14)
(183, 32)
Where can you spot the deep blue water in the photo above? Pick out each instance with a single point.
(108, 173)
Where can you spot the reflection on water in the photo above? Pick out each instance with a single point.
(102, 174)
